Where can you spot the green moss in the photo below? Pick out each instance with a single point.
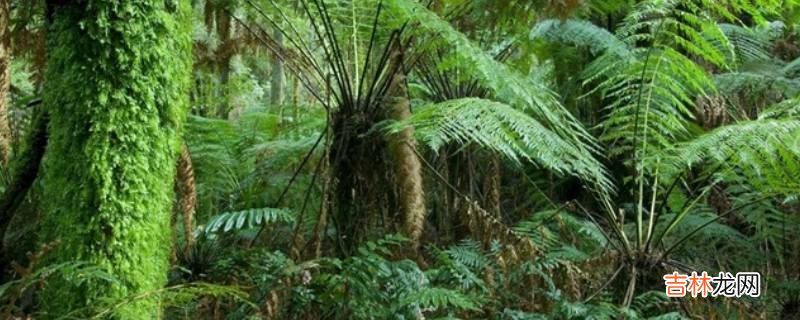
(117, 80)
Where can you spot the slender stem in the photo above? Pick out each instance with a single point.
(613, 276)
(291, 181)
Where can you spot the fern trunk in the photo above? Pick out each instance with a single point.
(187, 195)
(408, 168)
(118, 74)
(491, 185)
(5, 83)
(224, 53)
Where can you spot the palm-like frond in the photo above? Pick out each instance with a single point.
(650, 91)
(756, 83)
(787, 109)
(246, 219)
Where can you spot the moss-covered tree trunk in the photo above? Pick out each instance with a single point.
(116, 89)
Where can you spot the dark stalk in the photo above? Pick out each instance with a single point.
(373, 33)
(291, 182)
(345, 89)
(321, 37)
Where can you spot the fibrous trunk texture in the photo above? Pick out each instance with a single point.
(116, 89)
(5, 82)
(408, 168)
(491, 185)
(187, 195)
(358, 201)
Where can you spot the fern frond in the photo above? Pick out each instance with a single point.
(686, 25)
(754, 83)
(503, 129)
(652, 94)
(787, 109)
(748, 45)
(580, 33)
(503, 83)
(435, 298)
(765, 152)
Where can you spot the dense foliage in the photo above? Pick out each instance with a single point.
(397, 159)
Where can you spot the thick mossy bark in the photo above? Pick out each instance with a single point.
(116, 89)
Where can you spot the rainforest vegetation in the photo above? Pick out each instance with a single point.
(397, 159)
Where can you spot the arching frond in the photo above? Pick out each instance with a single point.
(580, 33)
(748, 45)
(754, 83)
(787, 109)
(764, 152)
(503, 129)
(650, 98)
(504, 84)
(687, 25)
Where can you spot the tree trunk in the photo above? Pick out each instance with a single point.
(408, 168)
(187, 195)
(5, 83)
(276, 81)
(26, 167)
(223, 57)
(117, 86)
(491, 186)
